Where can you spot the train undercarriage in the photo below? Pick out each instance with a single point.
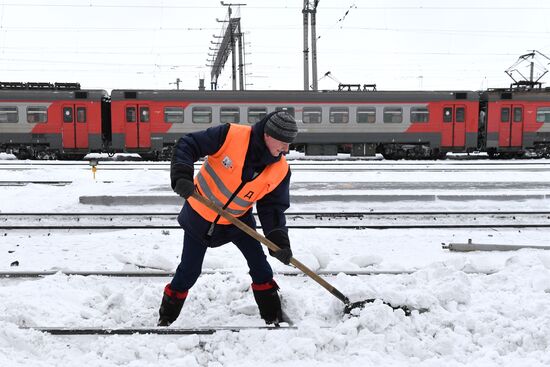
(391, 151)
(42, 152)
(410, 151)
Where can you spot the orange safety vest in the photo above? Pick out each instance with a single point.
(220, 176)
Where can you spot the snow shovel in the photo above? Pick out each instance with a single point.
(348, 305)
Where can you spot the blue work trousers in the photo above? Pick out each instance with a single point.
(192, 256)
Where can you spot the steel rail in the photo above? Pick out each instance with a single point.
(297, 220)
(151, 330)
(328, 214)
(42, 182)
(533, 187)
(311, 226)
(306, 165)
(293, 161)
(333, 169)
(162, 274)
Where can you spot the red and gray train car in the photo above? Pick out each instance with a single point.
(515, 122)
(65, 122)
(397, 124)
(45, 121)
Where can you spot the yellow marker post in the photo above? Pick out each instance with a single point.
(93, 163)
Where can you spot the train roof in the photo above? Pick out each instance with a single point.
(282, 96)
(523, 95)
(52, 95)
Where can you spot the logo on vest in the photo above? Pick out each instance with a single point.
(249, 195)
(227, 162)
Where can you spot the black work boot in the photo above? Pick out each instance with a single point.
(268, 301)
(170, 308)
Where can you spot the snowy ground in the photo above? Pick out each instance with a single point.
(474, 320)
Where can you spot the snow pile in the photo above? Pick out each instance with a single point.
(473, 319)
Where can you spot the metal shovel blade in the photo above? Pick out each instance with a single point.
(350, 306)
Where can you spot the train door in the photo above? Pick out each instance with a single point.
(454, 126)
(75, 126)
(510, 132)
(137, 122)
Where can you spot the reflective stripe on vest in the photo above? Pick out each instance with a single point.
(220, 176)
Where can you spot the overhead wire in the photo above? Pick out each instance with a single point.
(159, 67)
(156, 6)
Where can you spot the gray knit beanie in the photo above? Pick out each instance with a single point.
(281, 126)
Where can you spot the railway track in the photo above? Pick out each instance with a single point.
(148, 272)
(41, 182)
(365, 186)
(308, 166)
(76, 331)
(152, 273)
(298, 220)
(152, 330)
(208, 330)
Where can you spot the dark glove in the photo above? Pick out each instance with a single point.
(184, 188)
(181, 177)
(280, 238)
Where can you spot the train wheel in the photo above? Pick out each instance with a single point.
(394, 156)
(22, 155)
(46, 155)
(153, 156)
(71, 157)
(437, 154)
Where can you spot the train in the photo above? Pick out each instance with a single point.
(64, 121)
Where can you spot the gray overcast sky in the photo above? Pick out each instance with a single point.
(397, 44)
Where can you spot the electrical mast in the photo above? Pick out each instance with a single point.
(310, 8)
(232, 35)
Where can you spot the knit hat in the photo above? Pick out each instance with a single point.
(281, 126)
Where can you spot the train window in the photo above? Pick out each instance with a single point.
(80, 114)
(447, 114)
(339, 115)
(289, 110)
(255, 114)
(230, 115)
(130, 114)
(420, 114)
(459, 114)
(201, 115)
(68, 114)
(543, 114)
(505, 114)
(393, 115)
(144, 115)
(366, 115)
(37, 114)
(312, 115)
(9, 114)
(173, 115)
(518, 114)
